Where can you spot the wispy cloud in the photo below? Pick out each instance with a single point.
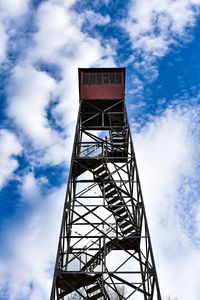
(155, 26)
(167, 170)
(3, 42)
(10, 148)
(11, 12)
(29, 245)
(33, 91)
(43, 107)
(42, 98)
(93, 18)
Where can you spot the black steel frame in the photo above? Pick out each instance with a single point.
(104, 249)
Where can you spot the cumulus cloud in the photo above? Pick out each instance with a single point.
(10, 147)
(167, 155)
(13, 9)
(62, 40)
(29, 100)
(154, 26)
(31, 241)
(33, 92)
(43, 103)
(171, 156)
(43, 106)
(28, 107)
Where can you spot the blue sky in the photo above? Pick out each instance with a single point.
(42, 43)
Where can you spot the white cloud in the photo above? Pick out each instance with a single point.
(167, 155)
(95, 18)
(11, 11)
(154, 26)
(31, 241)
(164, 147)
(10, 146)
(59, 40)
(28, 104)
(62, 41)
(14, 8)
(29, 100)
(3, 42)
(136, 87)
(31, 188)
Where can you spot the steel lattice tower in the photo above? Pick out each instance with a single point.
(104, 249)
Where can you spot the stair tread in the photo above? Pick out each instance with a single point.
(118, 140)
(125, 224)
(97, 296)
(93, 289)
(105, 174)
(113, 207)
(121, 210)
(109, 187)
(122, 218)
(118, 134)
(99, 170)
(111, 194)
(115, 199)
(128, 230)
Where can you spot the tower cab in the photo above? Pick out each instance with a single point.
(102, 84)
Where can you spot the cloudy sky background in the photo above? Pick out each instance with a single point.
(42, 43)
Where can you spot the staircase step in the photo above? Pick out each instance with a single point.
(128, 230)
(99, 170)
(123, 225)
(105, 174)
(109, 187)
(118, 135)
(109, 195)
(122, 218)
(117, 140)
(97, 296)
(115, 199)
(93, 289)
(113, 207)
(121, 211)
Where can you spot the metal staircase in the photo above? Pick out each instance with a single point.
(97, 291)
(124, 220)
(94, 292)
(113, 196)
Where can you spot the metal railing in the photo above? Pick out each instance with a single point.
(88, 150)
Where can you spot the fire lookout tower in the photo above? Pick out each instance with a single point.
(104, 249)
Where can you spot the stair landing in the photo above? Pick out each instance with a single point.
(70, 282)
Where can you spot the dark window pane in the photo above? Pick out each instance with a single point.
(105, 77)
(99, 77)
(86, 77)
(112, 77)
(118, 77)
(92, 77)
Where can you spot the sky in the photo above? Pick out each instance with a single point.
(42, 44)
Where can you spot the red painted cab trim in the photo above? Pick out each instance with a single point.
(101, 83)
